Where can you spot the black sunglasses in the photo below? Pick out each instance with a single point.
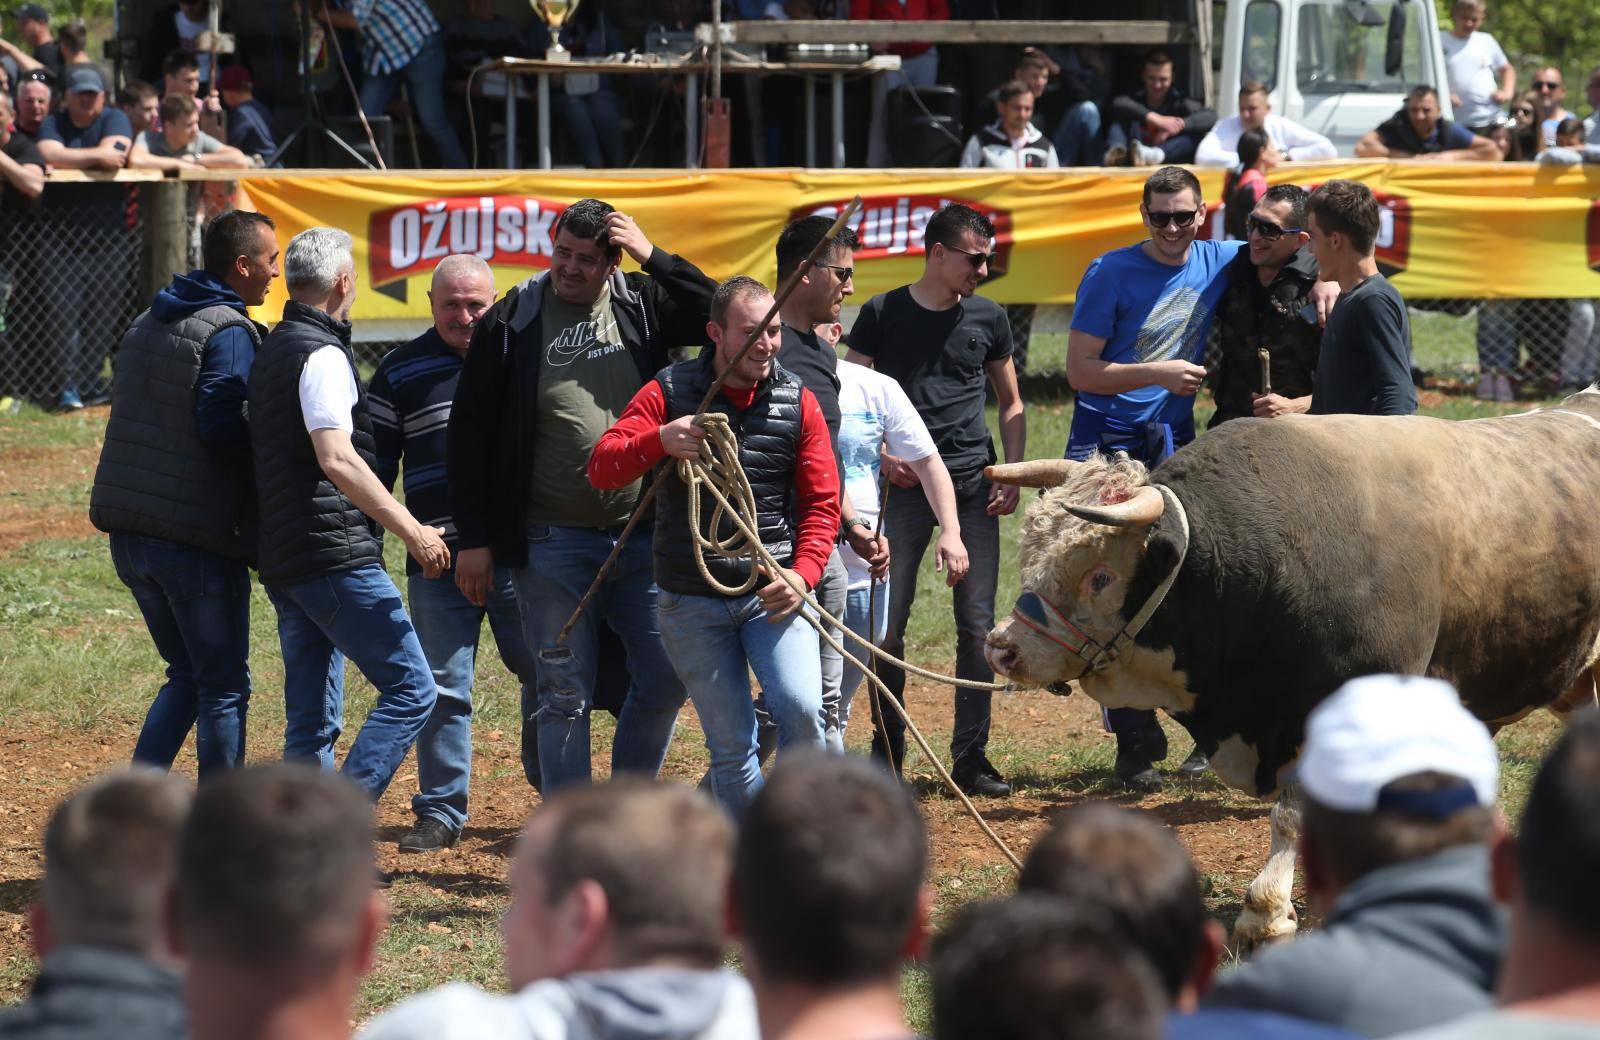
(1267, 229)
(976, 259)
(1522, 110)
(1178, 217)
(1543, 84)
(844, 274)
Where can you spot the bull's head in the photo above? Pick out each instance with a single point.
(1081, 543)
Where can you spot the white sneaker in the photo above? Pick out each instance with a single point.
(1485, 387)
(1502, 388)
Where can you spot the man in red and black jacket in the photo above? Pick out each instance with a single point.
(550, 368)
(715, 640)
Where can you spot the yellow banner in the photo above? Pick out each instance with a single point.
(1449, 230)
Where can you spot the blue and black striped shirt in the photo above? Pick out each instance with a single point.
(410, 397)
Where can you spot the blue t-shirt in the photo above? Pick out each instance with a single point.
(111, 122)
(1146, 311)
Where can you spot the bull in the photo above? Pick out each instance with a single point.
(1253, 572)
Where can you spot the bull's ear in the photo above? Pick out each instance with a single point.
(1142, 509)
(1039, 473)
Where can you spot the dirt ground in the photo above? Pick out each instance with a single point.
(1228, 837)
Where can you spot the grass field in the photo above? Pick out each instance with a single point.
(77, 671)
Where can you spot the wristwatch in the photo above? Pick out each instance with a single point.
(856, 521)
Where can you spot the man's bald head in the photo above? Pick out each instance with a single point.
(463, 289)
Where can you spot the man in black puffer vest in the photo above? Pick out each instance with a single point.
(715, 639)
(322, 514)
(173, 489)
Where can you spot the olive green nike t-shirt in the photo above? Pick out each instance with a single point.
(586, 378)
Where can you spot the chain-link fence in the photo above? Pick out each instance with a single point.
(73, 273)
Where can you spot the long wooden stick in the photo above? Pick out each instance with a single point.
(788, 287)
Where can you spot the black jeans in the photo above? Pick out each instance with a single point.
(909, 522)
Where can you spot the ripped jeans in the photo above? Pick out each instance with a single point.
(562, 561)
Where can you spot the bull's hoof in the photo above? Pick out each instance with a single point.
(1195, 766)
(1255, 929)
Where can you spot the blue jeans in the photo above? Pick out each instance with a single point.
(855, 618)
(448, 626)
(908, 520)
(1497, 336)
(196, 605)
(424, 79)
(595, 121)
(1077, 134)
(1179, 148)
(357, 614)
(715, 642)
(562, 561)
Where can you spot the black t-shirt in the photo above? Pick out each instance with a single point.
(938, 358)
(49, 55)
(816, 365)
(21, 150)
(1365, 366)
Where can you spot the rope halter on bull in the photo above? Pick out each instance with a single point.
(1036, 612)
(717, 472)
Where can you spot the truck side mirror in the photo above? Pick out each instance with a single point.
(1394, 54)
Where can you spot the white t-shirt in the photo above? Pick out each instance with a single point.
(328, 391)
(873, 412)
(189, 31)
(1472, 65)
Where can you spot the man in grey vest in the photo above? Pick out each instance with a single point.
(323, 510)
(173, 489)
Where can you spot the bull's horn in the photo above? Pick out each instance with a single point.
(1039, 473)
(1141, 510)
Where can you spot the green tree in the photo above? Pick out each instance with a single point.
(1535, 33)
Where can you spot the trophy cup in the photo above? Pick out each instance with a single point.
(556, 13)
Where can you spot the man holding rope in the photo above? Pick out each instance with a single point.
(719, 617)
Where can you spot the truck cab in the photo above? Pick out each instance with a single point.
(1339, 67)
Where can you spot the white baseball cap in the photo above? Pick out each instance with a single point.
(1379, 728)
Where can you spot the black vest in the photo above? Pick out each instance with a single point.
(156, 476)
(769, 443)
(308, 527)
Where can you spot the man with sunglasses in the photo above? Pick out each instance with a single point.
(1551, 89)
(944, 345)
(817, 301)
(1269, 306)
(1138, 334)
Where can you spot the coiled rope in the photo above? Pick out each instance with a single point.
(718, 472)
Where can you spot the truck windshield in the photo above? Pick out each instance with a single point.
(1342, 46)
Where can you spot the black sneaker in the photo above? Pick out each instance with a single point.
(1195, 766)
(382, 878)
(977, 778)
(1137, 755)
(429, 835)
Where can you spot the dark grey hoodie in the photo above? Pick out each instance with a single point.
(628, 1004)
(1406, 947)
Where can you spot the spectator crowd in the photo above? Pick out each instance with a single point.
(247, 908)
(174, 105)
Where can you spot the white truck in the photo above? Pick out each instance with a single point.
(1339, 67)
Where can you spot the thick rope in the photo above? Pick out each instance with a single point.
(717, 470)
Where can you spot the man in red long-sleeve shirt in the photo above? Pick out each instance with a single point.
(713, 640)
